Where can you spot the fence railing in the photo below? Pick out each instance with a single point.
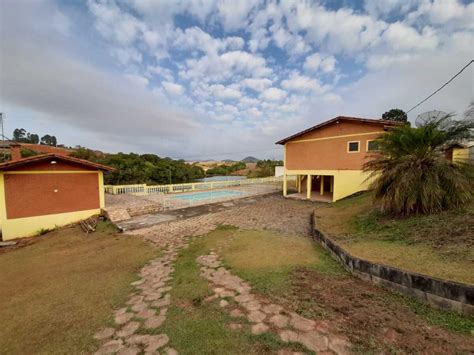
(144, 189)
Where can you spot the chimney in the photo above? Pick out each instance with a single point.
(15, 152)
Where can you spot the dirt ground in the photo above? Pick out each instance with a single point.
(373, 318)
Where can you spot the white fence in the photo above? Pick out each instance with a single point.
(144, 189)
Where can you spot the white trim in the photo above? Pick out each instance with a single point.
(358, 146)
(335, 137)
(367, 146)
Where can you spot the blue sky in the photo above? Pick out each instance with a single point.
(202, 78)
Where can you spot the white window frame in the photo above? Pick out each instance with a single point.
(358, 146)
(367, 146)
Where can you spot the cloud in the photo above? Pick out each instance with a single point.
(297, 82)
(234, 13)
(273, 94)
(221, 67)
(187, 72)
(315, 62)
(257, 84)
(114, 24)
(172, 88)
(399, 36)
(222, 92)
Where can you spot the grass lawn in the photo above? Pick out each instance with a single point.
(441, 245)
(195, 326)
(56, 293)
(294, 272)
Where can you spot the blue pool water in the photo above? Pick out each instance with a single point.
(199, 196)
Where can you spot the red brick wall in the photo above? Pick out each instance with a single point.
(28, 195)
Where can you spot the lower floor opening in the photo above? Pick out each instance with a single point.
(320, 187)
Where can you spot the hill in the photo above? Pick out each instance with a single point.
(250, 160)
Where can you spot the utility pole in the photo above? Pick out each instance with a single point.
(3, 136)
(1, 120)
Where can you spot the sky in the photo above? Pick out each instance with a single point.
(217, 79)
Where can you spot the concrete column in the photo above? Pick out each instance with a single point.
(285, 185)
(331, 188)
(308, 186)
(321, 190)
(298, 179)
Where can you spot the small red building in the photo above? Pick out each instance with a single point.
(47, 191)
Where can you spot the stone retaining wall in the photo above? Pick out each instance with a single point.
(436, 292)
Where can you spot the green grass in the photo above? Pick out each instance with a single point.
(270, 260)
(56, 293)
(444, 242)
(449, 320)
(267, 259)
(198, 327)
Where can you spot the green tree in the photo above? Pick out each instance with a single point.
(33, 138)
(395, 114)
(49, 140)
(411, 174)
(19, 134)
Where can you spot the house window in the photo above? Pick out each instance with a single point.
(353, 147)
(372, 146)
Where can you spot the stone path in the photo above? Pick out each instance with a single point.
(266, 316)
(146, 309)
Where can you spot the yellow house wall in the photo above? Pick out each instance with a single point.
(460, 154)
(30, 226)
(346, 182)
(101, 190)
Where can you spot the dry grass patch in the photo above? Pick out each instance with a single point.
(57, 292)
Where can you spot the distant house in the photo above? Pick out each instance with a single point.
(327, 159)
(15, 149)
(460, 152)
(46, 191)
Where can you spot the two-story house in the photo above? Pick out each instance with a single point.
(327, 159)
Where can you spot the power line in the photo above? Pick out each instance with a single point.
(442, 87)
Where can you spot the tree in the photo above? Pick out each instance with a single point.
(19, 135)
(411, 174)
(33, 138)
(395, 114)
(49, 140)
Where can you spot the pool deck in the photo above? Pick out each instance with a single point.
(122, 207)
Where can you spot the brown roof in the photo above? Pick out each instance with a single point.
(10, 165)
(336, 120)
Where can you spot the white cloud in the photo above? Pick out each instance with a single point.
(137, 80)
(223, 92)
(126, 55)
(227, 65)
(402, 37)
(221, 62)
(115, 24)
(273, 94)
(194, 38)
(315, 62)
(234, 13)
(173, 88)
(257, 84)
(297, 82)
(384, 8)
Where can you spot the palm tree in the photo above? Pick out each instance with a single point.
(411, 175)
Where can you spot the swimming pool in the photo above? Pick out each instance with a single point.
(200, 196)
